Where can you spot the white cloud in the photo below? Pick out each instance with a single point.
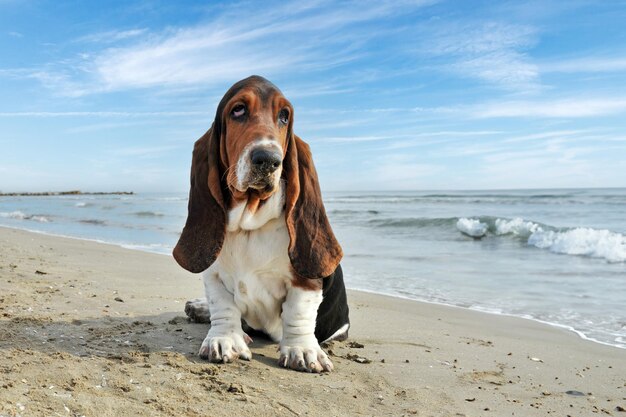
(103, 114)
(573, 107)
(505, 68)
(544, 135)
(570, 107)
(349, 139)
(188, 57)
(482, 38)
(99, 127)
(406, 139)
(585, 64)
(145, 151)
(62, 81)
(558, 145)
(112, 35)
(492, 52)
(233, 44)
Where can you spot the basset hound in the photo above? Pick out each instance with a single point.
(257, 230)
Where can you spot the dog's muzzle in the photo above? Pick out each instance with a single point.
(265, 161)
(264, 164)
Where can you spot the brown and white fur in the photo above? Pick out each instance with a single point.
(258, 232)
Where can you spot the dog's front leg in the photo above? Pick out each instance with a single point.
(299, 348)
(225, 341)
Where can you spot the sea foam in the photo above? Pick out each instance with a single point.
(517, 226)
(19, 215)
(472, 227)
(581, 241)
(13, 215)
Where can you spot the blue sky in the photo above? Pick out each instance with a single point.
(390, 95)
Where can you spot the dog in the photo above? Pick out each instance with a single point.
(257, 230)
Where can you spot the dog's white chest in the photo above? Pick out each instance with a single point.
(255, 268)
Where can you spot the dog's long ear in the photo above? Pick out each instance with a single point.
(313, 249)
(203, 236)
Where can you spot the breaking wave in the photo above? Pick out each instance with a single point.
(582, 241)
(19, 215)
(472, 227)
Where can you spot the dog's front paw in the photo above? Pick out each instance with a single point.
(226, 348)
(305, 357)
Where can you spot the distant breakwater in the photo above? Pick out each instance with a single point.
(74, 192)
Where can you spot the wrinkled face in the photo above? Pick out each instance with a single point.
(256, 124)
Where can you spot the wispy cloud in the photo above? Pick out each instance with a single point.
(534, 137)
(399, 136)
(112, 36)
(59, 79)
(108, 126)
(570, 107)
(103, 114)
(574, 107)
(351, 139)
(214, 53)
(233, 44)
(144, 151)
(493, 52)
(512, 145)
(589, 64)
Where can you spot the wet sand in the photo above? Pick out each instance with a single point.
(97, 330)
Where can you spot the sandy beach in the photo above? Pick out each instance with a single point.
(97, 330)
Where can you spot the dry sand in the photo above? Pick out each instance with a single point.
(96, 330)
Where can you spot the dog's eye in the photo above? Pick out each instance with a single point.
(283, 116)
(238, 111)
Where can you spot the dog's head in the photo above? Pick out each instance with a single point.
(255, 122)
(247, 152)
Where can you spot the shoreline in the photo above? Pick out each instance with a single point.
(560, 326)
(100, 330)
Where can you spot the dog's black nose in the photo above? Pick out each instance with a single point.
(265, 160)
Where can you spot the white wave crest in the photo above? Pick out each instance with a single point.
(41, 219)
(19, 215)
(13, 215)
(582, 241)
(517, 226)
(594, 243)
(471, 227)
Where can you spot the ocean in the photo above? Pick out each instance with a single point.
(557, 256)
